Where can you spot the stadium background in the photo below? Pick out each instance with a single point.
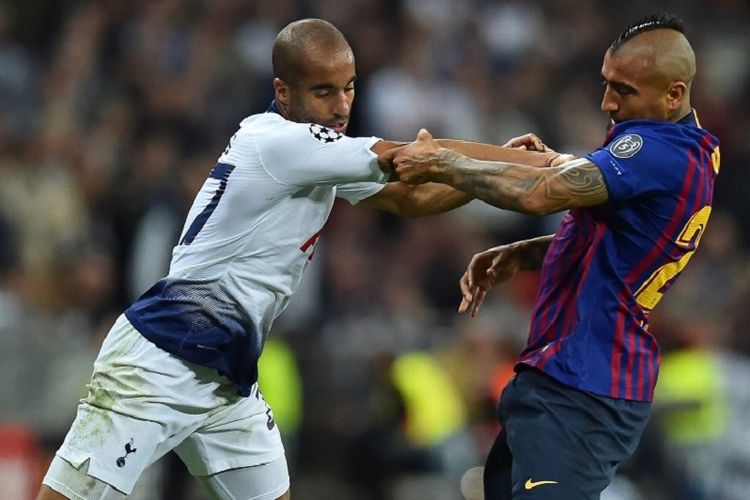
(112, 113)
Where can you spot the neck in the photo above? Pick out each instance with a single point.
(681, 113)
(282, 109)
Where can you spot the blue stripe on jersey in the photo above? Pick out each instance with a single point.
(221, 172)
(590, 326)
(201, 323)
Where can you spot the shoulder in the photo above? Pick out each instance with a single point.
(650, 141)
(274, 131)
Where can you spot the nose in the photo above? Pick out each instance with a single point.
(342, 105)
(609, 104)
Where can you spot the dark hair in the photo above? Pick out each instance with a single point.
(648, 23)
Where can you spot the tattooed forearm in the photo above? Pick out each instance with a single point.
(526, 189)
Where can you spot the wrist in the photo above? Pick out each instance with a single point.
(445, 166)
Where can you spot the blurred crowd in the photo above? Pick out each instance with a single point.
(113, 112)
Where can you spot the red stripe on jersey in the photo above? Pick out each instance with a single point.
(648, 261)
(617, 349)
(630, 361)
(674, 222)
(643, 369)
(545, 320)
(570, 313)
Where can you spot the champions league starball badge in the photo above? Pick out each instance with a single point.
(324, 134)
(626, 146)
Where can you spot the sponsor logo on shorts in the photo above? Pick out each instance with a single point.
(530, 485)
(128, 450)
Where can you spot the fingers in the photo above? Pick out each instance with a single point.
(474, 283)
(465, 284)
(478, 299)
(469, 291)
(463, 306)
(424, 135)
(527, 141)
(562, 158)
(416, 163)
(385, 161)
(473, 304)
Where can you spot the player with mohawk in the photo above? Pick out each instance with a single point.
(638, 207)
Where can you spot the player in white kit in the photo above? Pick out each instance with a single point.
(178, 370)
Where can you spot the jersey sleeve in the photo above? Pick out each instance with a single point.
(354, 192)
(636, 162)
(304, 154)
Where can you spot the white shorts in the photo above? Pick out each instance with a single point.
(143, 402)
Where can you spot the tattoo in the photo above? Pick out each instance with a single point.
(583, 182)
(578, 183)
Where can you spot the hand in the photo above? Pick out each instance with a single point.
(418, 162)
(560, 159)
(385, 160)
(529, 142)
(487, 269)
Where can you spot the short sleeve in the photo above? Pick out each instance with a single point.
(634, 163)
(304, 154)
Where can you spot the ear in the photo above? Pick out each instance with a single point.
(676, 95)
(281, 91)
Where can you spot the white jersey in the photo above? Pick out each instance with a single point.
(248, 238)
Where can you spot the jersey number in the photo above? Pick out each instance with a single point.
(221, 172)
(651, 292)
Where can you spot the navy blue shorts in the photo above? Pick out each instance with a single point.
(558, 442)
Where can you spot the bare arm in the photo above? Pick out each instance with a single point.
(576, 183)
(433, 198)
(416, 201)
(489, 152)
(496, 265)
(482, 151)
(532, 252)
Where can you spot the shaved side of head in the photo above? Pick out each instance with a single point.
(660, 44)
(303, 41)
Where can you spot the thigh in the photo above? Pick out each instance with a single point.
(242, 433)
(268, 481)
(116, 448)
(75, 482)
(565, 444)
(497, 470)
(141, 402)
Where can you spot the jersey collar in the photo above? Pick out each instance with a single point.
(689, 119)
(273, 108)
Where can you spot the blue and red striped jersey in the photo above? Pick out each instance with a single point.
(608, 266)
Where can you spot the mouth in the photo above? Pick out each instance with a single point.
(339, 127)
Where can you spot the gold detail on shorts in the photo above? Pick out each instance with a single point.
(530, 485)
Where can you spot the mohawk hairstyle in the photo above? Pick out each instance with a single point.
(648, 23)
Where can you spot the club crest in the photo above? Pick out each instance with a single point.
(626, 146)
(324, 134)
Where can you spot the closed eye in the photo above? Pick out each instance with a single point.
(621, 88)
